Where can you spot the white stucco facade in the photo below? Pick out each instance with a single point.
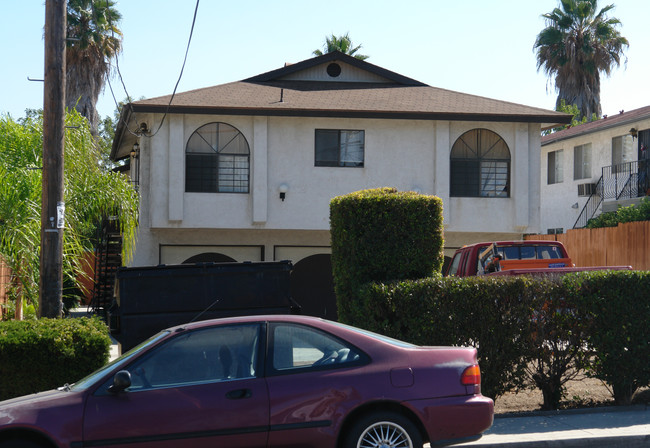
(611, 143)
(409, 130)
(409, 155)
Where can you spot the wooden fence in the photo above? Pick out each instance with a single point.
(625, 245)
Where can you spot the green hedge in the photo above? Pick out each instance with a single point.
(382, 234)
(44, 354)
(526, 329)
(617, 305)
(631, 213)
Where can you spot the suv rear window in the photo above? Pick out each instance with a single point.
(529, 252)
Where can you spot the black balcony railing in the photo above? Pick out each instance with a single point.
(623, 181)
(626, 180)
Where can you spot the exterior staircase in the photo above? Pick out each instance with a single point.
(617, 183)
(108, 258)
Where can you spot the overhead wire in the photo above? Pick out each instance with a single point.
(187, 49)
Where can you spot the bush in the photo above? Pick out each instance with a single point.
(556, 340)
(43, 354)
(489, 313)
(617, 309)
(631, 213)
(382, 235)
(526, 328)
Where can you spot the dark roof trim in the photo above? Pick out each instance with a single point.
(351, 114)
(274, 75)
(607, 122)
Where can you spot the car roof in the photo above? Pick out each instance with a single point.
(516, 243)
(292, 318)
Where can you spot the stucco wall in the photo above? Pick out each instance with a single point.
(558, 200)
(406, 154)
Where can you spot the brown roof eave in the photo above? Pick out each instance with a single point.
(548, 120)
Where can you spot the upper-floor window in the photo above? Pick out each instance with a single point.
(480, 165)
(217, 160)
(582, 162)
(339, 147)
(622, 152)
(555, 172)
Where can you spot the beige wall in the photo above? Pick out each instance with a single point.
(557, 199)
(406, 154)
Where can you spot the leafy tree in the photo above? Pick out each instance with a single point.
(90, 193)
(342, 44)
(575, 121)
(93, 40)
(578, 43)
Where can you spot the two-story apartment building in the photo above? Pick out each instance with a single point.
(593, 168)
(246, 170)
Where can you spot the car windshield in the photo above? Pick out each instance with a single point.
(122, 360)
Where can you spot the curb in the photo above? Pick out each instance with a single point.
(642, 441)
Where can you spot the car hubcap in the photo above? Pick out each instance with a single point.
(385, 435)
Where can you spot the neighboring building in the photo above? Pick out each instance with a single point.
(593, 168)
(246, 170)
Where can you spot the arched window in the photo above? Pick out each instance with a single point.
(480, 165)
(217, 160)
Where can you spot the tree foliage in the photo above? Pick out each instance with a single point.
(573, 110)
(578, 43)
(340, 43)
(93, 40)
(90, 193)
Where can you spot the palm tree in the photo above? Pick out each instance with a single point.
(93, 40)
(578, 43)
(342, 44)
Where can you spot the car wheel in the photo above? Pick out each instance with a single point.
(383, 430)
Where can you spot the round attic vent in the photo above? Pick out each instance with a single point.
(334, 69)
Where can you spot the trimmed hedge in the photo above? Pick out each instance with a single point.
(44, 354)
(526, 329)
(617, 307)
(631, 213)
(382, 234)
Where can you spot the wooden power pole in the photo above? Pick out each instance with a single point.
(53, 207)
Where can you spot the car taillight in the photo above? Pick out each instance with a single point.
(471, 376)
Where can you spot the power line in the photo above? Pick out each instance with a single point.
(187, 49)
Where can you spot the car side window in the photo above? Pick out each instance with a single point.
(204, 355)
(455, 262)
(296, 348)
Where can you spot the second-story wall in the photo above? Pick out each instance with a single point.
(405, 154)
(560, 202)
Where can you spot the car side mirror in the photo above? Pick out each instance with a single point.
(121, 381)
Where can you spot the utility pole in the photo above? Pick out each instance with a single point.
(53, 207)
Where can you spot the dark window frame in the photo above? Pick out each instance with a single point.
(333, 155)
(476, 173)
(555, 159)
(221, 170)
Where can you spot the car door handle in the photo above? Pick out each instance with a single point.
(238, 394)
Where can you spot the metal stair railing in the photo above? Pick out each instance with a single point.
(108, 258)
(591, 206)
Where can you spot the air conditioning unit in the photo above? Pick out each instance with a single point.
(586, 189)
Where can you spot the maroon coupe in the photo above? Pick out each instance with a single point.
(261, 381)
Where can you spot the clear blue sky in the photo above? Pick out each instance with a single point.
(473, 46)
